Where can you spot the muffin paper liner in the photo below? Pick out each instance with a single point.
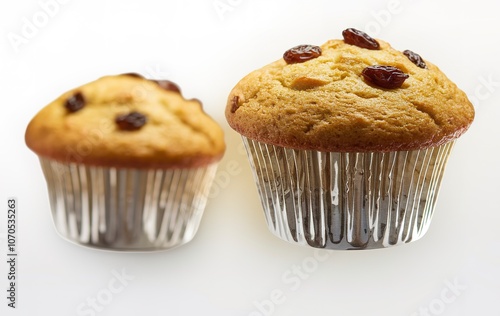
(344, 201)
(126, 209)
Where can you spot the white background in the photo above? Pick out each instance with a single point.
(234, 266)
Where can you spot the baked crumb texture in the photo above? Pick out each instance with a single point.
(168, 132)
(325, 104)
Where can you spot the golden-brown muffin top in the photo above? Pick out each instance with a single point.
(327, 104)
(126, 121)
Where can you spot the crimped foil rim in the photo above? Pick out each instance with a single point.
(126, 209)
(296, 189)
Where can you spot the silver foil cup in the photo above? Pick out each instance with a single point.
(126, 209)
(346, 201)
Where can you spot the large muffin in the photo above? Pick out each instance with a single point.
(128, 162)
(326, 104)
(348, 141)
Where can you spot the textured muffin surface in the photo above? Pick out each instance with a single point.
(176, 132)
(325, 103)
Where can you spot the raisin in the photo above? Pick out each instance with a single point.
(131, 121)
(168, 85)
(132, 74)
(301, 53)
(384, 76)
(415, 58)
(197, 101)
(360, 39)
(75, 103)
(234, 103)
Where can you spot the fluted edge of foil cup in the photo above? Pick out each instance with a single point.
(126, 209)
(346, 201)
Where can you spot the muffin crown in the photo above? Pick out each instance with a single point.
(349, 99)
(126, 121)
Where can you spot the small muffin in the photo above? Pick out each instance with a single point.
(348, 141)
(128, 162)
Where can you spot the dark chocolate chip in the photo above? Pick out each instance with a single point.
(131, 121)
(75, 102)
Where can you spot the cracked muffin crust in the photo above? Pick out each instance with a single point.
(326, 102)
(126, 121)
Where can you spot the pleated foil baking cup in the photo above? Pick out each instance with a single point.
(346, 201)
(127, 209)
